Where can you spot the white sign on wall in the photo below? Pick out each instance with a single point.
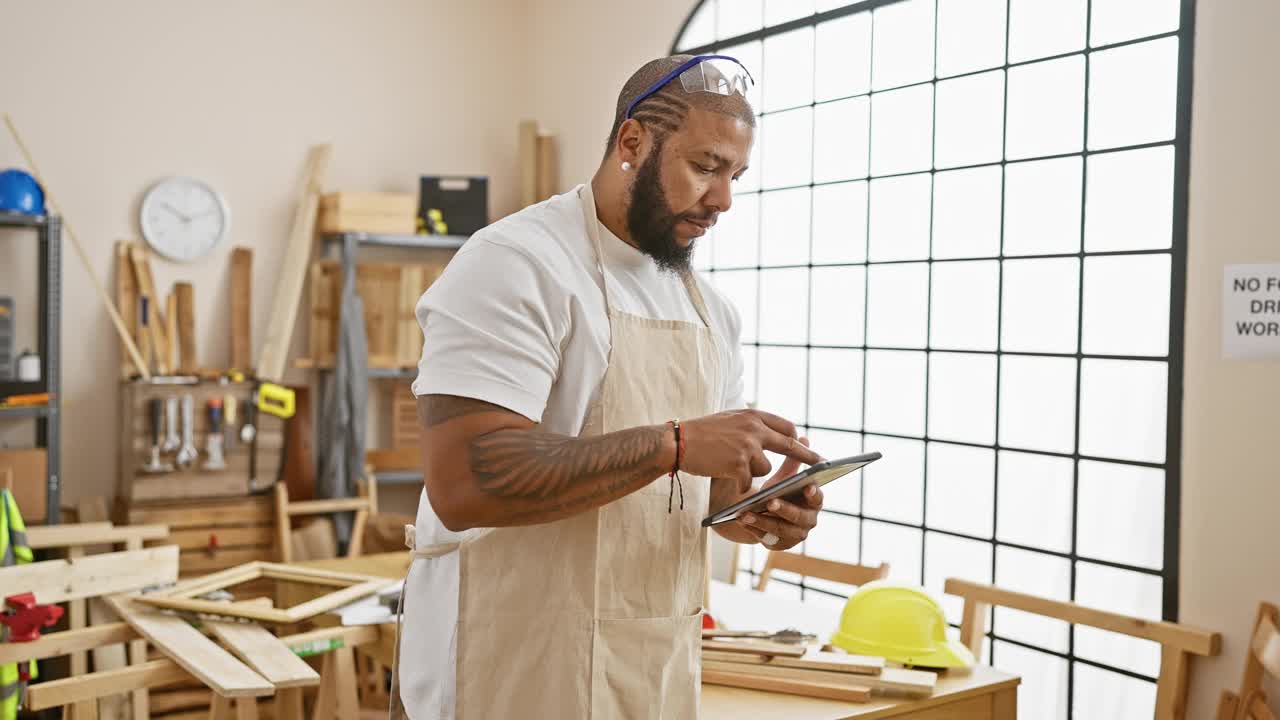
(1251, 311)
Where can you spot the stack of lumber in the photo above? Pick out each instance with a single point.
(807, 671)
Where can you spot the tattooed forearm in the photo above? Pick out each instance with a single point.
(538, 474)
(438, 409)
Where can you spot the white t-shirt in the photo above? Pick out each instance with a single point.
(518, 320)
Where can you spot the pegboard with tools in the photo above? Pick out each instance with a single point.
(168, 450)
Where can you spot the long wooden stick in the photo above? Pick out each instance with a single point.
(84, 258)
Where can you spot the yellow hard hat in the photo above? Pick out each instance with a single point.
(899, 622)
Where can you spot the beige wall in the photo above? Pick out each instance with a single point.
(113, 96)
(1231, 477)
(1231, 418)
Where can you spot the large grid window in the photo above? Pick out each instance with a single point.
(962, 243)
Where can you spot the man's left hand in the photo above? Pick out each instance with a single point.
(786, 523)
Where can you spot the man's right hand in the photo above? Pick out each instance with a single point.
(731, 445)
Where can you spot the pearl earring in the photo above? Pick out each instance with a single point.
(625, 166)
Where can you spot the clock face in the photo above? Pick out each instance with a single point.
(182, 218)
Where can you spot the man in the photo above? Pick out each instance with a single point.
(579, 384)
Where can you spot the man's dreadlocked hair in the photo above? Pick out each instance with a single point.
(664, 111)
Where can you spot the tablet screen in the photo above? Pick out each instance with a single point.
(819, 475)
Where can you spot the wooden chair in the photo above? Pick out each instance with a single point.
(364, 504)
(817, 567)
(1263, 657)
(1177, 642)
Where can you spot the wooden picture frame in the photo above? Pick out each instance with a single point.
(183, 596)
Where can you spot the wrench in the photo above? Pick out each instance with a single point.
(171, 441)
(187, 453)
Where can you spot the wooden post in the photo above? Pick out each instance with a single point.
(288, 704)
(87, 709)
(973, 626)
(1171, 687)
(241, 303)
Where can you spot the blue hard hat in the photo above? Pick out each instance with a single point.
(20, 193)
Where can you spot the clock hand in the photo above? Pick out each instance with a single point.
(176, 211)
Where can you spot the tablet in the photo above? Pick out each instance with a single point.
(819, 475)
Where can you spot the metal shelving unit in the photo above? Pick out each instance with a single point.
(48, 417)
(347, 246)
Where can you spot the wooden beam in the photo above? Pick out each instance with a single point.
(755, 648)
(316, 507)
(155, 323)
(196, 653)
(66, 642)
(1171, 686)
(127, 301)
(830, 691)
(293, 271)
(41, 537)
(173, 357)
(241, 304)
(186, 323)
(813, 660)
(1190, 639)
(528, 150)
(915, 683)
(265, 653)
(55, 581)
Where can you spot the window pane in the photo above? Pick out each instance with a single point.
(1039, 305)
(701, 29)
(893, 487)
(953, 557)
(835, 537)
(788, 148)
(900, 218)
(1121, 591)
(902, 42)
(898, 305)
(782, 381)
(1034, 500)
(751, 55)
(961, 480)
(784, 302)
(835, 388)
(1035, 574)
(777, 12)
(1121, 514)
(898, 546)
(1046, 108)
(741, 287)
(1037, 403)
(1042, 694)
(1126, 305)
(902, 130)
(1133, 92)
(837, 315)
(966, 213)
(895, 392)
(1042, 207)
(1123, 409)
(1115, 21)
(784, 236)
(735, 239)
(749, 373)
(970, 117)
(964, 305)
(1129, 201)
(970, 35)
(788, 69)
(841, 129)
(962, 397)
(846, 495)
(1040, 29)
(738, 17)
(1104, 695)
(840, 223)
(844, 57)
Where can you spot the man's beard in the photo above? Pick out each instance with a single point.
(651, 222)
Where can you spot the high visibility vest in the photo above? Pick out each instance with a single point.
(14, 550)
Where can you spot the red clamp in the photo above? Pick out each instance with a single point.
(24, 617)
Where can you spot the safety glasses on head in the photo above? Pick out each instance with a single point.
(719, 74)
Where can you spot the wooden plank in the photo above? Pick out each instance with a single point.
(242, 511)
(548, 167)
(140, 258)
(288, 704)
(66, 642)
(108, 657)
(189, 362)
(755, 647)
(829, 691)
(813, 660)
(253, 536)
(127, 303)
(973, 626)
(408, 331)
(405, 458)
(241, 306)
(171, 329)
(912, 683)
(1171, 686)
(293, 270)
(265, 653)
(55, 581)
(193, 651)
(1193, 640)
(316, 507)
(528, 152)
(199, 562)
(40, 537)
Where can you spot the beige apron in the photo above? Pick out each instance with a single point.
(598, 615)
